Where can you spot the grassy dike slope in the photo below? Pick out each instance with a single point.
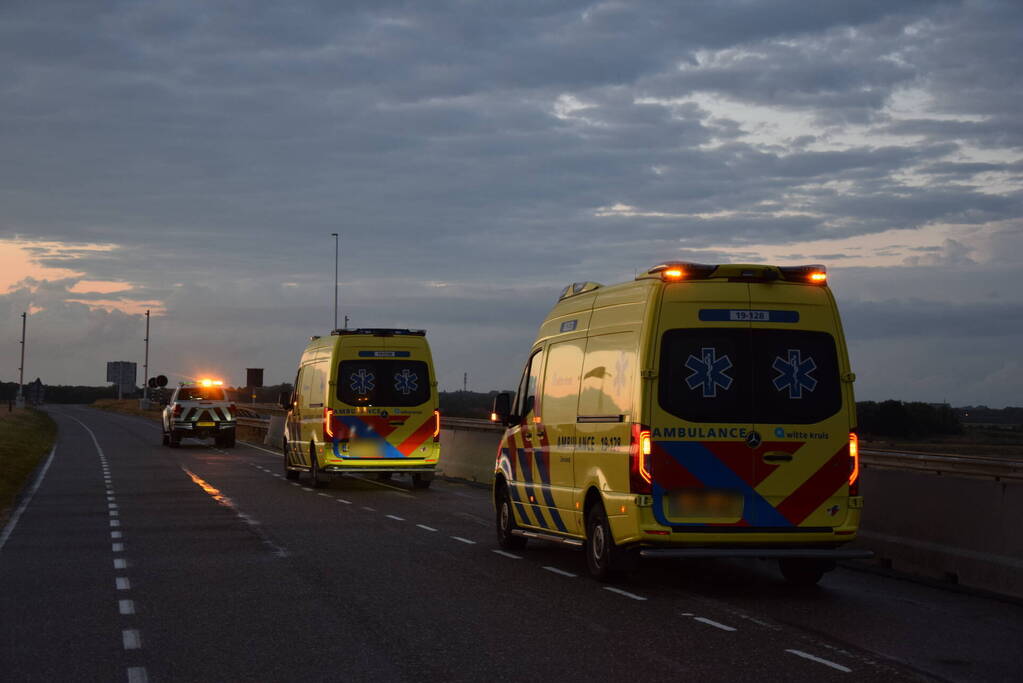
(26, 437)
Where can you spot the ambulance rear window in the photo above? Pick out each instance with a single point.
(383, 382)
(755, 376)
(200, 394)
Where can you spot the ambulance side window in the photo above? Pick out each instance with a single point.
(297, 393)
(525, 399)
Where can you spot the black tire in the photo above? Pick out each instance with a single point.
(316, 477)
(506, 522)
(166, 439)
(422, 480)
(384, 476)
(605, 560)
(804, 572)
(229, 440)
(173, 440)
(218, 441)
(288, 472)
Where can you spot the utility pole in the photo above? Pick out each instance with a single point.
(145, 368)
(337, 245)
(20, 401)
(465, 381)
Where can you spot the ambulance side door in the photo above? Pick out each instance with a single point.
(519, 439)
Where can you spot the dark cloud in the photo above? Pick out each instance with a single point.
(471, 156)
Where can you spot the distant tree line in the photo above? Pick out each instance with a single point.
(62, 393)
(466, 403)
(907, 419)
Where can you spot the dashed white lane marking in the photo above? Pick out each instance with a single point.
(561, 572)
(137, 674)
(386, 486)
(715, 624)
(464, 540)
(423, 526)
(395, 517)
(131, 639)
(825, 662)
(295, 483)
(342, 500)
(504, 553)
(111, 506)
(115, 522)
(251, 445)
(279, 476)
(368, 509)
(325, 495)
(627, 594)
(9, 529)
(122, 583)
(114, 513)
(306, 488)
(111, 498)
(120, 563)
(126, 607)
(117, 547)
(115, 534)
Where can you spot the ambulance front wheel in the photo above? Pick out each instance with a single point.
(604, 559)
(506, 522)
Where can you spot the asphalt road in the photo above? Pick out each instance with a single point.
(138, 562)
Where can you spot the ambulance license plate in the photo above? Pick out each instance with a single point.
(205, 424)
(366, 448)
(704, 503)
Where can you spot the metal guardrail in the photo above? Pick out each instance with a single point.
(963, 465)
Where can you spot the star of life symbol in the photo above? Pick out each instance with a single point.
(362, 382)
(406, 382)
(618, 380)
(709, 372)
(794, 373)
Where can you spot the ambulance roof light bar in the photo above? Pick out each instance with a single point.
(382, 332)
(814, 274)
(679, 270)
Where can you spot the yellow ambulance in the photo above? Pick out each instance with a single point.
(698, 411)
(365, 401)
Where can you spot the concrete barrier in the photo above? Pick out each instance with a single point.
(468, 451)
(963, 530)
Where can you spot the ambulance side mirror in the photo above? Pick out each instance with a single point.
(284, 399)
(501, 409)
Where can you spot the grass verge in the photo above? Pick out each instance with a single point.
(26, 437)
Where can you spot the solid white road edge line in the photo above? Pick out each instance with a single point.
(804, 655)
(9, 528)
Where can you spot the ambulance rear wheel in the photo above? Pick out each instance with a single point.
(316, 477)
(604, 559)
(166, 439)
(288, 472)
(422, 481)
(803, 572)
(506, 523)
(229, 440)
(173, 440)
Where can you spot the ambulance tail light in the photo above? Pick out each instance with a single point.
(854, 464)
(177, 410)
(436, 426)
(640, 450)
(328, 424)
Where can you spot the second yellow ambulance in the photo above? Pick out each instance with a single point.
(365, 401)
(698, 411)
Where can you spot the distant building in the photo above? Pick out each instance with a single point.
(123, 374)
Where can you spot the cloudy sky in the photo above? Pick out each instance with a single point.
(193, 157)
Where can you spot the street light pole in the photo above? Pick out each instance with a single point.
(20, 401)
(145, 366)
(337, 245)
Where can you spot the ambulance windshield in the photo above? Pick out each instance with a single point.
(756, 376)
(383, 382)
